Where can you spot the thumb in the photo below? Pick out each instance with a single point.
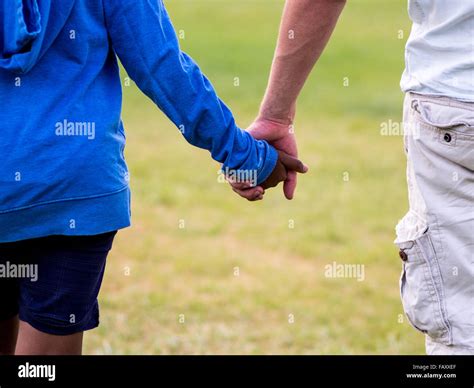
(291, 163)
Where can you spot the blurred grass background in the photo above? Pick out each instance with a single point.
(204, 272)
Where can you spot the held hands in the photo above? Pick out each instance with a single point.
(281, 136)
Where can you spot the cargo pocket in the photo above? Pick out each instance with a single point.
(422, 290)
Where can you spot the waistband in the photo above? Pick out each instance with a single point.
(442, 100)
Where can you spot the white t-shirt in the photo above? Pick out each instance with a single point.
(439, 53)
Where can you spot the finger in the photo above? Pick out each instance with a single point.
(259, 198)
(289, 186)
(241, 185)
(250, 194)
(292, 163)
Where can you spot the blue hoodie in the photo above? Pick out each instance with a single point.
(62, 168)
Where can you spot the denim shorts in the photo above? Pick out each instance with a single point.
(53, 282)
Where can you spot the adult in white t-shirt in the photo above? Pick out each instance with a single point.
(436, 237)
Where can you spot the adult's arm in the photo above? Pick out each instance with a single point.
(305, 30)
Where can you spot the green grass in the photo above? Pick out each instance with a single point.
(191, 270)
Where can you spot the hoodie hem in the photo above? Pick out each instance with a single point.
(81, 217)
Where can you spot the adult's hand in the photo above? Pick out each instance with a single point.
(280, 134)
(285, 164)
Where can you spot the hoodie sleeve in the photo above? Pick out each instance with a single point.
(144, 39)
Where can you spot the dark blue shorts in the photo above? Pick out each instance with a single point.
(53, 282)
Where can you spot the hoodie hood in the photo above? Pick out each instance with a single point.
(27, 30)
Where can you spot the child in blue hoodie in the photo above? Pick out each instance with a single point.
(64, 183)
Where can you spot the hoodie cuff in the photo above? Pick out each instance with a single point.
(271, 157)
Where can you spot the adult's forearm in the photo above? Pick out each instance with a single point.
(305, 30)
